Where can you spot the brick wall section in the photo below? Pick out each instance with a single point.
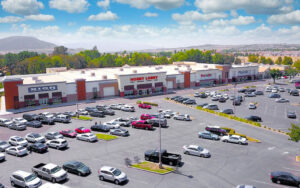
(115, 85)
(11, 91)
(81, 92)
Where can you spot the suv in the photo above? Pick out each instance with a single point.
(5, 122)
(96, 113)
(25, 179)
(17, 141)
(216, 130)
(20, 121)
(57, 143)
(35, 137)
(142, 124)
(157, 122)
(31, 117)
(62, 118)
(111, 174)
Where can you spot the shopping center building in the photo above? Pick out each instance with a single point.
(59, 85)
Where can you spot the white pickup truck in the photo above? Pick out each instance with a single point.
(50, 172)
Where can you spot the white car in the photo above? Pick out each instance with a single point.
(128, 108)
(112, 125)
(16, 151)
(196, 150)
(274, 90)
(281, 89)
(111, 174)
(82, 112)
(57, 143)
(20, 121)
(35, 137)
(234, 139)
(268, 89)
(252, 106)
(282, 100)
(89, 137)
(2, 157)
(184, 117)
(17, 141)
(226, 96)
(25, 179)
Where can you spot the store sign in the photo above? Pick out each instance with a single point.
(42, 89)
(205, 75)
(147, 78)
(243, 72)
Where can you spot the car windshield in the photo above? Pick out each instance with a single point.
(30, 178)
(36, 135)
(3, 143)
(55, 169)
(55, 134)
(20, 148)
(6, 121)
(19, 139)
(116, 172)
(200, 149)
(79, 165)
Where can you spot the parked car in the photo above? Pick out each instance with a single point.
(34, 124)
(274, 90)
(97, 113)
(19, 121)
(250, 94)
(174, 97)
(145, 106)
(259, 93)
(184, 117)
(189, 101)
(17, 151)
(196, 150)
(274, 95)
(17, 141)
(108, 112)
(201, 95)
(48, 119)
(81, 130)
(57, 143)
(158, 122)
(38, 147)
(227, 111)
(24, 179)
(202, 104)
(234, 139)
(236, 102)
(252, 106)
(181, 100)
(268, 90)
(282, 100)
(62, 118)
(3, 145)
(128, 108)
(211, 107)
(119, 132)
(102, 107)
(285, 178)
(142, 124)
(146, 116)
(18, 127)
(208, 135)
(245, 186)
(70, 113)
(215, 98)
(91, 109)
(168, 113)
(100, 128)
(2, 158)
(222, 99)
(112, 125)
(68, 133)
(53, 135)
(216, 130)
(35, 137)
(82, 112)
(112, 174)
(76, 167)
(294, 92)
(115, 106)
(1, 186)
(254, 118)
(5, 122)
(281, 89)
(31, 117)
(243, 90)
(89, 137)
(50, 171)
(291, 114)
(166, 158)
(124, 122)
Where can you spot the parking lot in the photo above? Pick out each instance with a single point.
(229, 165)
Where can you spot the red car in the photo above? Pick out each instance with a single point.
(148, 116)
(82, 130)
(145, 106)
(68, 133)
(142, 124)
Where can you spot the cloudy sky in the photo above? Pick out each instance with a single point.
(115, 25)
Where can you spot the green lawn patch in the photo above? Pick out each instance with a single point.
(152, 167)
(107, 137)
(85, 118)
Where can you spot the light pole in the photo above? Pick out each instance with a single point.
(159, 157)
(77, 110)
(234, 98)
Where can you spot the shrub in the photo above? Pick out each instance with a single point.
(150, 103)
(294, 132)
(138, 102)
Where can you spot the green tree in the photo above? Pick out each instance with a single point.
(296, 65)
(10, 61)
(253, 58)
(237, 61)
(275, 73)
(60, 50)
(287, 61)
(294, 133)
(217, 59)
(278, 60)
(269, 61)
(291, 72)
(262, 60)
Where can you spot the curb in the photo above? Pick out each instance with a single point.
(151, 171)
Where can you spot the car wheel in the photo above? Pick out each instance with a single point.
(201, 155)
(117, 182)
(12, 183)
(53, 180)
(79, 174)
(186, 152)
(278, 182)
(171, 163)
(57, 148)
(147, 158)
(240, 143)
(146, 128)
(101, 178)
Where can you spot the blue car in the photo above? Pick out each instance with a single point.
(208, 135)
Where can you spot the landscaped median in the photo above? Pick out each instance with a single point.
(152, 167)
(144, 102)
(84, 118)
(106, 137)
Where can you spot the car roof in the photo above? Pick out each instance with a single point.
(193, 146)
(21, 173)
(15, 137)
(89, 134)
(107, 168)
(279, 173)
(50, 165)
(237, 136)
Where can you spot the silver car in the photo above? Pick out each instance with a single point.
(5, 122)
(17, 141)
(184, 117)
(57, 143)
(234, 139)
(2, 157)
(25, 179)
(3, 145)
(196, 150)
(119, 132)
(111, 174)
(89, 137)
(211, 107)
(18, 127)
(35, 137)
(16, 151)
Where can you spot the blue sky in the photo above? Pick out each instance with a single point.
(115, 25)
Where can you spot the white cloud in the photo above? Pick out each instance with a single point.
(234, 13)
(40, 17)
(71, 6)
(10, 19)
(289, 18)
(22, 7)
(159, 4)
(251, 6)
(190, 16)
(104, 4)
(103, 16)
(241, 20)
(150, 14)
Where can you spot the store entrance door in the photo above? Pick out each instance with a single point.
(43, 101)
(143, 92)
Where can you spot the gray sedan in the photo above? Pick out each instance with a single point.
(208, 135)
(3, 145)
(119, 132)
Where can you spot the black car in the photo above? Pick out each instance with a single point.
(175, 97)
(76, 167)
(96, 113)
(285, 178)
(34, 124)
(227, 111)
(1, 186)
(216, 130)
(166, 158)
(236, 102)
(189, 101)
(90, 109)
(102, 107)
(242, 90)
(254, 118)
(181, 100)
(70, 114)
(294, 92)
(108, 112)
(202, 104)
(259, 93)
(47, 120)
(274, 95)
(222, 99)
(100, 128)
(37, 147)
(250, 90)
(31, 117)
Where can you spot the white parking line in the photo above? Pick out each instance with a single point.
(297, 170)
(271, 148)
(285, 153)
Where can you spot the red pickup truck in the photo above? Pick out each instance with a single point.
(141, 124)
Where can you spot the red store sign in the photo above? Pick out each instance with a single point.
(205, 75)
(143, 78)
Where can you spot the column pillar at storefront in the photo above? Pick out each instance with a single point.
(121, 93)
(165, 90)
(12, 93)
(153, 89)
(134, 92)
(81, 89)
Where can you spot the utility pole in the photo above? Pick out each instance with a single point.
(77, 110)
(160, 163)
(234, 86)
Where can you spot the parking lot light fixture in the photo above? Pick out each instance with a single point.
(160, 163)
